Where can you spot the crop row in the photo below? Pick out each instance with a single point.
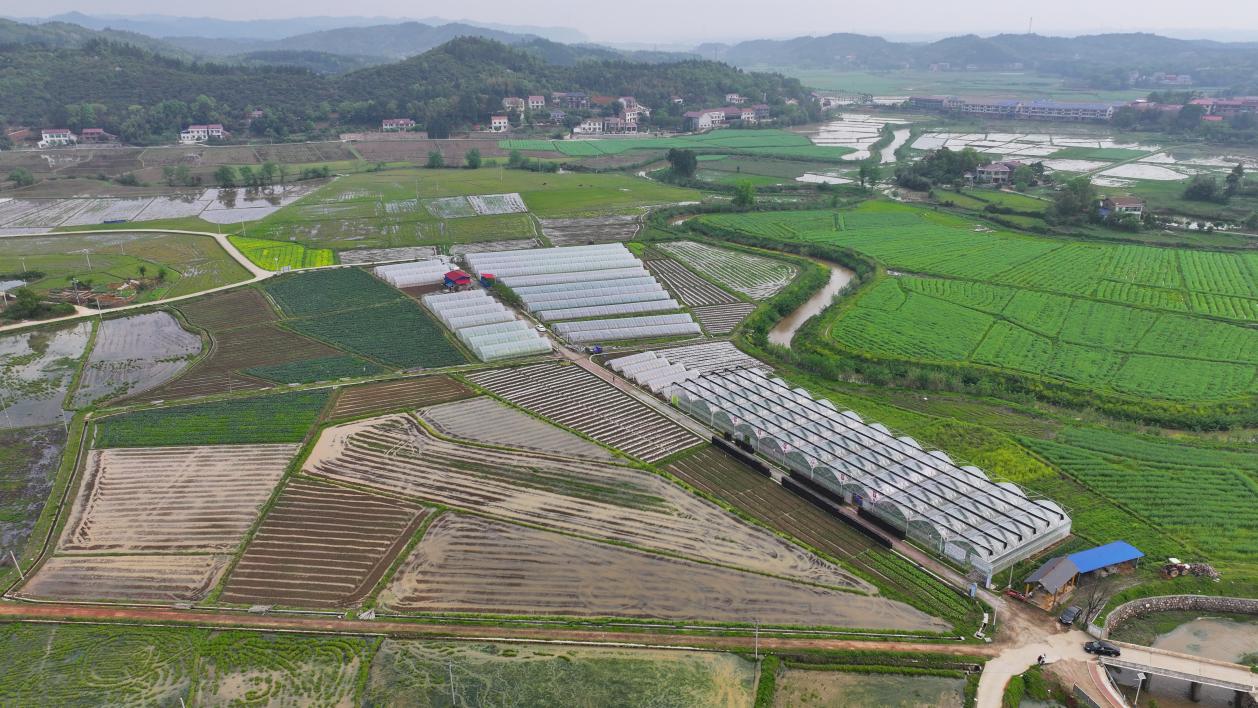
(265, 419)
(754, 276)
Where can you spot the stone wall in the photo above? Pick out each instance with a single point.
(1172, 603)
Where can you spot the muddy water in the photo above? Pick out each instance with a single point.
(784, 331)
(1222, 638)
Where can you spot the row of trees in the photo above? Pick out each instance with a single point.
(1206, 187)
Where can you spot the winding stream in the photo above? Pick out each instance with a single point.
(784, 331)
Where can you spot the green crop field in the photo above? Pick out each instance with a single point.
(1107, 154)
(1133, 320)
(67, 664)
(192, 263)
(265, 419)
(276, 255)
(1208, 497)
(749, 142)
(351, 310)
(386, 209)
(320, 369)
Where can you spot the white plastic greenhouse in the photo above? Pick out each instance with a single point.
(627, 308)
(485, 325)
(406, 275)
(957, 511)
(627, 328)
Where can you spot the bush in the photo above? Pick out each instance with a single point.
(767, 686)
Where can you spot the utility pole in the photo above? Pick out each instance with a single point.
(17, 565)
(450, 672)
(1140, 677)
(757, 639)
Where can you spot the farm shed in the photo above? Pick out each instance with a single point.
(956, 511)
(1058, 577)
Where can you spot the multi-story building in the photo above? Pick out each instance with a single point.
(56, 137)
(396, 125)
(499, 124)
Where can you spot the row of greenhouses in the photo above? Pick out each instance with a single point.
(409, 275)
(954, 510)
(485, 325)
(602, 281)
(606, 330)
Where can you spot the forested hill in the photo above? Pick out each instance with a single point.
(65, 34)
(1068, 55)
(461, 82)
(393, 41)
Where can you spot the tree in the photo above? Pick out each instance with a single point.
(22, 177)
(515, 159)
(1251, 222)
(267, 173)
(1023, 177)
(226, 176)
(1235, 179)
(869, 174)
(161, 275)
(683, 163)
(472, 159)
(1075, 202)
(26, 304)
(745, 195)
(1204, 188)
(142, 270)
(435, 160)
(247, 177)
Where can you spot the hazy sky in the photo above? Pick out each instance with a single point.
(672, 20)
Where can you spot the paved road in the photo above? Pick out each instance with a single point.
(1168, 663)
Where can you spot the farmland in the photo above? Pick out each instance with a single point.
(688, 287)
(280, 418)
(36, 369)
(135, 353)
(722, 319)
(1114, 318)
(62, 664)
(147, 577)
(754, 276)
(591, 499)
(277, 255)
(192, 263)
(310, 370)
(756, 142)
(462, 563)
(400, 394)
(320, 546)
(28, 462)
(576, 399)
(804, 687)
(498, 674)
(576, 232)
(485, 420)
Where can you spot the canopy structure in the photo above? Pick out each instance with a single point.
(957, 511)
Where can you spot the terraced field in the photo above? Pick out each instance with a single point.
(576, 399)
(688, 287)
(485, 420)
(582, 497)
(320, 546)
(756, 277)
(469, 564)
(401, 394)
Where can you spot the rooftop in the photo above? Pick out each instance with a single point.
(1105, 556)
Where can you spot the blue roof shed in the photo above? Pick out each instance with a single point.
(1105, 556)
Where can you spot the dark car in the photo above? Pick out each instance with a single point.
(1102, 649)
(1070, 615)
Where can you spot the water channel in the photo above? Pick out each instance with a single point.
(784, 331)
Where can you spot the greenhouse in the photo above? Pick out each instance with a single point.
(485, 325)
(956, 511)
(407, 275)
(627, 328)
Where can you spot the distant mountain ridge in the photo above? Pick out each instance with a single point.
(388, 42)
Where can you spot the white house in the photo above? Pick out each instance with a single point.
(735, 99)
(396, 125)
(56, 137)
(201, 133)
(499, 124)
(705, 120)
(620, 126)
(590, 126)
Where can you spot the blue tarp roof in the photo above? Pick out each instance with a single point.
(1103, 556)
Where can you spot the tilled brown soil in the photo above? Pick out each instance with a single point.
(470, 564)
(321, 546)
(401, 394)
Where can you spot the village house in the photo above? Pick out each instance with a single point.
(735, 99)
(513, 103)
(762, 111)
(706, 119)
(201, 133)
(632, 110)
(619, 126)
(557, 116)
(677, 100)
(1122, 205)
(396, 125)
(96, 135)
(537, 103)
(1227, 107)
(56, 137)
(499, 124)
(590, 126)
(998, 174)
(746, 115)
(571, 100)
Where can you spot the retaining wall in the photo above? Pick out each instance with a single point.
(1172, 603)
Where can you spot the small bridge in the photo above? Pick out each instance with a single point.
(1194, 669)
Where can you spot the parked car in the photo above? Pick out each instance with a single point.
(1102, 648)
(1070, 615)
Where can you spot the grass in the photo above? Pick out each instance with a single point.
(278, 255)
(282, 418)
(67, 664)
(386, 209)
(1133, 321)
(192, 263)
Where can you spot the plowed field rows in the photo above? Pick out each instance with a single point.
(688, 287)
(161, 578)
(575, 398)
(756, 277)
(320, 546)
(403, 394)
(488, 421)
(574, 232)
(593, 499)
(172, 499)
(722, 319)
(475, 565)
